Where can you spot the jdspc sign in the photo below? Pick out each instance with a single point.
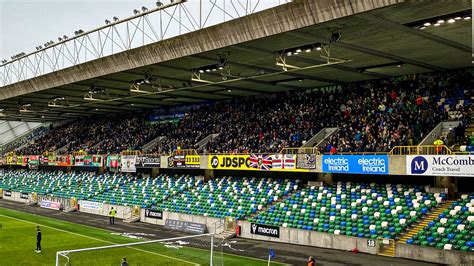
(445, 165)
(230, 162)
(265, 230)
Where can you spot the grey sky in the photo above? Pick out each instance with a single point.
(25, 24)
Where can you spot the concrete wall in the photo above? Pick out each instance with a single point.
(311, 238)
(208, 221)
(397, 165)
(450, 257)
(122, 211)
(15, 197)
(341, 242)
(319, 164)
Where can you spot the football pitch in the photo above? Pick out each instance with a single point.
(18, 244)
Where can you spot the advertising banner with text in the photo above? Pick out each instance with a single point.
(255, 162)
(147, 161)
(440, 165)
(356, 164)
(184, 161)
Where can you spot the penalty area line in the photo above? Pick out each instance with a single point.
(98, 239)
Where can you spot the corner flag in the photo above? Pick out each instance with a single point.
(271, 254)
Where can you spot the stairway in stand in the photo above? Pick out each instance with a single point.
(469, 132)
(419, 226)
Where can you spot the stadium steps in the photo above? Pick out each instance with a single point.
(389, 251)
(202, 143)
(419, 226)
(154, 142)
(468, 132)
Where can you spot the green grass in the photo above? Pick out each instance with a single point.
(18, 242)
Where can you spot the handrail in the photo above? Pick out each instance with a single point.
(131, 152)
(364, 153)
(397, 150)
(184, 152)
(305, 150)
(420, 150)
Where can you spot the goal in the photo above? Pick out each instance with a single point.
(186, 250)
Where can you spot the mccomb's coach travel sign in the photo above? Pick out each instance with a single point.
(443, 165)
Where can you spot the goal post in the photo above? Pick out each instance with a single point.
(185, 250)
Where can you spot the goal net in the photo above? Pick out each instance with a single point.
(186, 250)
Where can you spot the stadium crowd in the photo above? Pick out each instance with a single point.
(371, 116)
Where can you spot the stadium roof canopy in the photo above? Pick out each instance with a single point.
(378, 38)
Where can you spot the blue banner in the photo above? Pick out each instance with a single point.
(356, 164)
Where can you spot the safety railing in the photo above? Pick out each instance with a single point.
(304, 150)
(11, 158)
(363, 153)
(421, 149)
(131, 152)
(185, 152)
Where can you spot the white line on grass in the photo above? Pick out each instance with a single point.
(97, 239)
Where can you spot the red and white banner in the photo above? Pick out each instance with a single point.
(284, 161)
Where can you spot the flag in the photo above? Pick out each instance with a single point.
(277, 161)
(271, 253)
(289, 161)
(286, 161)
(261, 161)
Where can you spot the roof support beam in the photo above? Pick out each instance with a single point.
(409, 30)
(367, 51)
(309, 60)
(272, 70)
(224, 87)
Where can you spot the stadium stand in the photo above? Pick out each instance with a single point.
(453, 229)
(40, 182)
(146, 192)
(230, 196)
(87, 185)
(353, 209)
(375, 116)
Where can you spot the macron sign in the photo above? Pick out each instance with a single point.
(445, 165)
(265, 230)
